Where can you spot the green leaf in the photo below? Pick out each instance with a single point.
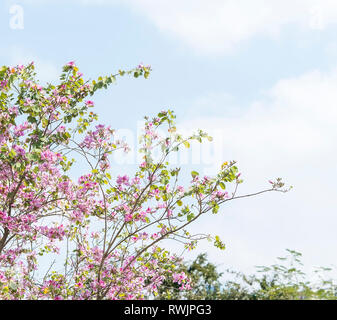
(215, 209)
(190, 216)
(194, 174)
(218, 243)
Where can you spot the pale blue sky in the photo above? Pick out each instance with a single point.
(263, 71)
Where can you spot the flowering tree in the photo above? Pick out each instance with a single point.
(104, 232)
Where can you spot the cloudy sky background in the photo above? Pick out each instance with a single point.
(260, 76)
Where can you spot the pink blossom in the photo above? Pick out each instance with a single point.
(89, 103)
(124, 180)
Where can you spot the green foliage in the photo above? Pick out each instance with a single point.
(282, 281)
(205, 282)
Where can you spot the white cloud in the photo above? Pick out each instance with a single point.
(297, 116)
(291, 132)
(218, 26)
